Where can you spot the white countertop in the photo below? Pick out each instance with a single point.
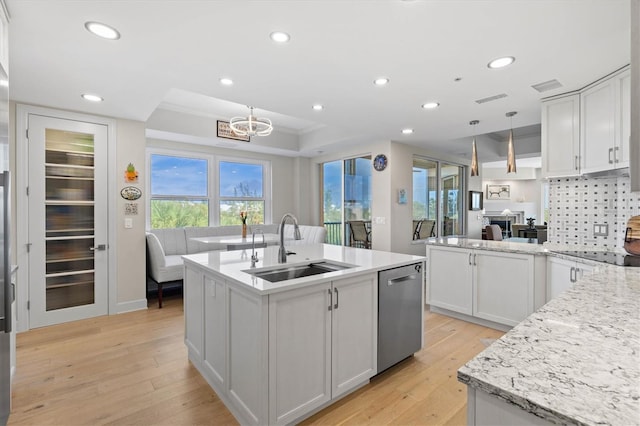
(232, 264)
(237, 239)
(577, 359)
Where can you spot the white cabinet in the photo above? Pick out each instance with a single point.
(500, 287)
(273, 359)
(449, 277)
(322, 343)
(4, 37)
(562, 274)
(560, 133)
(605, 124)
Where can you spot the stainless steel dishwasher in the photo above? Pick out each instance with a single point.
(399, 314)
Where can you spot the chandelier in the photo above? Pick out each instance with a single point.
(251, 125)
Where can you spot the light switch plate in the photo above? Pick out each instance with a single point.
(128, 223)
(600, 229)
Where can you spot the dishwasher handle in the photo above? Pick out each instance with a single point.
(402, 279)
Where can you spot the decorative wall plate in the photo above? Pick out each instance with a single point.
(130, 193)
(380, 162)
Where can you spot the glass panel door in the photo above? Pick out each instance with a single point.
(69, 208)
(451, 199)
(346, 207)
(68, 256)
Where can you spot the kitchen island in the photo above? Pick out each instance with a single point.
(575, 360)
(276, 352)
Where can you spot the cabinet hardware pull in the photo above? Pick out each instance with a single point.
(337, 299)
(98, 247)
(615, 154)
(610, 151)
(571, 272)
(575, 162)
(474, 260)
(470, 259)
(330, 299)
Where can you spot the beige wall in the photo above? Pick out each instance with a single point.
(130, 252)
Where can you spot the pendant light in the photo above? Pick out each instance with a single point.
(511, 155)
(474, 151)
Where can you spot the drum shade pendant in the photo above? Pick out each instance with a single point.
(474, 151)
(511, 154)
(251, 125)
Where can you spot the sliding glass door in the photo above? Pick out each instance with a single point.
(438, 204)
(346, 191)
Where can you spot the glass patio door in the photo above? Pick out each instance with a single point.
(346, 189)
(68, 253)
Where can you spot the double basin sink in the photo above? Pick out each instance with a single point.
(292, 272)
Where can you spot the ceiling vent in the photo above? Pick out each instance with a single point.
(547, 85)
(491, 98)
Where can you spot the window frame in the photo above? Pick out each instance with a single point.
(213, 174)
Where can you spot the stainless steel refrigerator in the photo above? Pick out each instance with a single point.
(7, 339)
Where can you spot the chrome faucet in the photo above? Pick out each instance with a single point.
(254, 255)
(282, 253)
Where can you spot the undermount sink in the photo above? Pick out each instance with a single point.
(297, 271)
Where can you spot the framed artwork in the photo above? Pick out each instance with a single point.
(475, 200)
(402, 196)
(498, 192)
(224, 131)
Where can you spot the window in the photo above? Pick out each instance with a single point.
(437, 189)
(183, 192)
(179, 191)
(241, 189)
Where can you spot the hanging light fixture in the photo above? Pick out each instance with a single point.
(474, 151)
(251, 125)
(511, 154)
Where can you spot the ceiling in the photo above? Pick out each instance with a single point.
(171, 55)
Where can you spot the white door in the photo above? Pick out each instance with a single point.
(68, 253)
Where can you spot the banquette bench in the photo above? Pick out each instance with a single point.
(165, 247)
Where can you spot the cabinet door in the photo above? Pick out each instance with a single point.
(559, 276)
(354, 333)
(193, 313)
(503, 286)
(449, 276)
(597, 118)
(214, 357)
(623, 119)
(561, 136)
(299, 352)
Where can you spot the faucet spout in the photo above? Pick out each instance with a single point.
(282, 252)
(254, 255)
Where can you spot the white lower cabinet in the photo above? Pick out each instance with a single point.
(500, 287)
(322, 344)
(562, 274)
(276, 358)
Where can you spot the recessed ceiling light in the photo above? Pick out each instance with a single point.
(226, 81)
(102, 30)
(318, 107)
(92, 98)
(279, 37)
(501, 62)
(430, 105)
(381, 81)
(407, 131)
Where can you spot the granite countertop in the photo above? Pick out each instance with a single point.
(233, 264)
(503, 246)
(574, 361)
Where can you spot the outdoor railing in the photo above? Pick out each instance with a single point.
(334, 232)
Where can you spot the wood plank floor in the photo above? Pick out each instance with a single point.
(132, 369)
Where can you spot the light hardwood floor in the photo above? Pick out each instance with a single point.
(133, 369)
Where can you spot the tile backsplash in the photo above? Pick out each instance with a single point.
(577, 204)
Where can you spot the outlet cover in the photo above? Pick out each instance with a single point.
(600, 229)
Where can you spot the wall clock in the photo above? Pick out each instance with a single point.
(380, 162)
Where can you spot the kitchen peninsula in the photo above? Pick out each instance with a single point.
(276, 352)
(575, 360)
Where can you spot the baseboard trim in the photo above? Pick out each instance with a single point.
(130, 306)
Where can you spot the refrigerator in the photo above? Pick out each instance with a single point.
(7, 336)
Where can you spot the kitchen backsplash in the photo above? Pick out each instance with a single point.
(577, 204)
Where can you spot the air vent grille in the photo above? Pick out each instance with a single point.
(547, 85)
(491, 98)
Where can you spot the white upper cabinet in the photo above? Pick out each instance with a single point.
(588, 131)
(604, 115)
(561, 136)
